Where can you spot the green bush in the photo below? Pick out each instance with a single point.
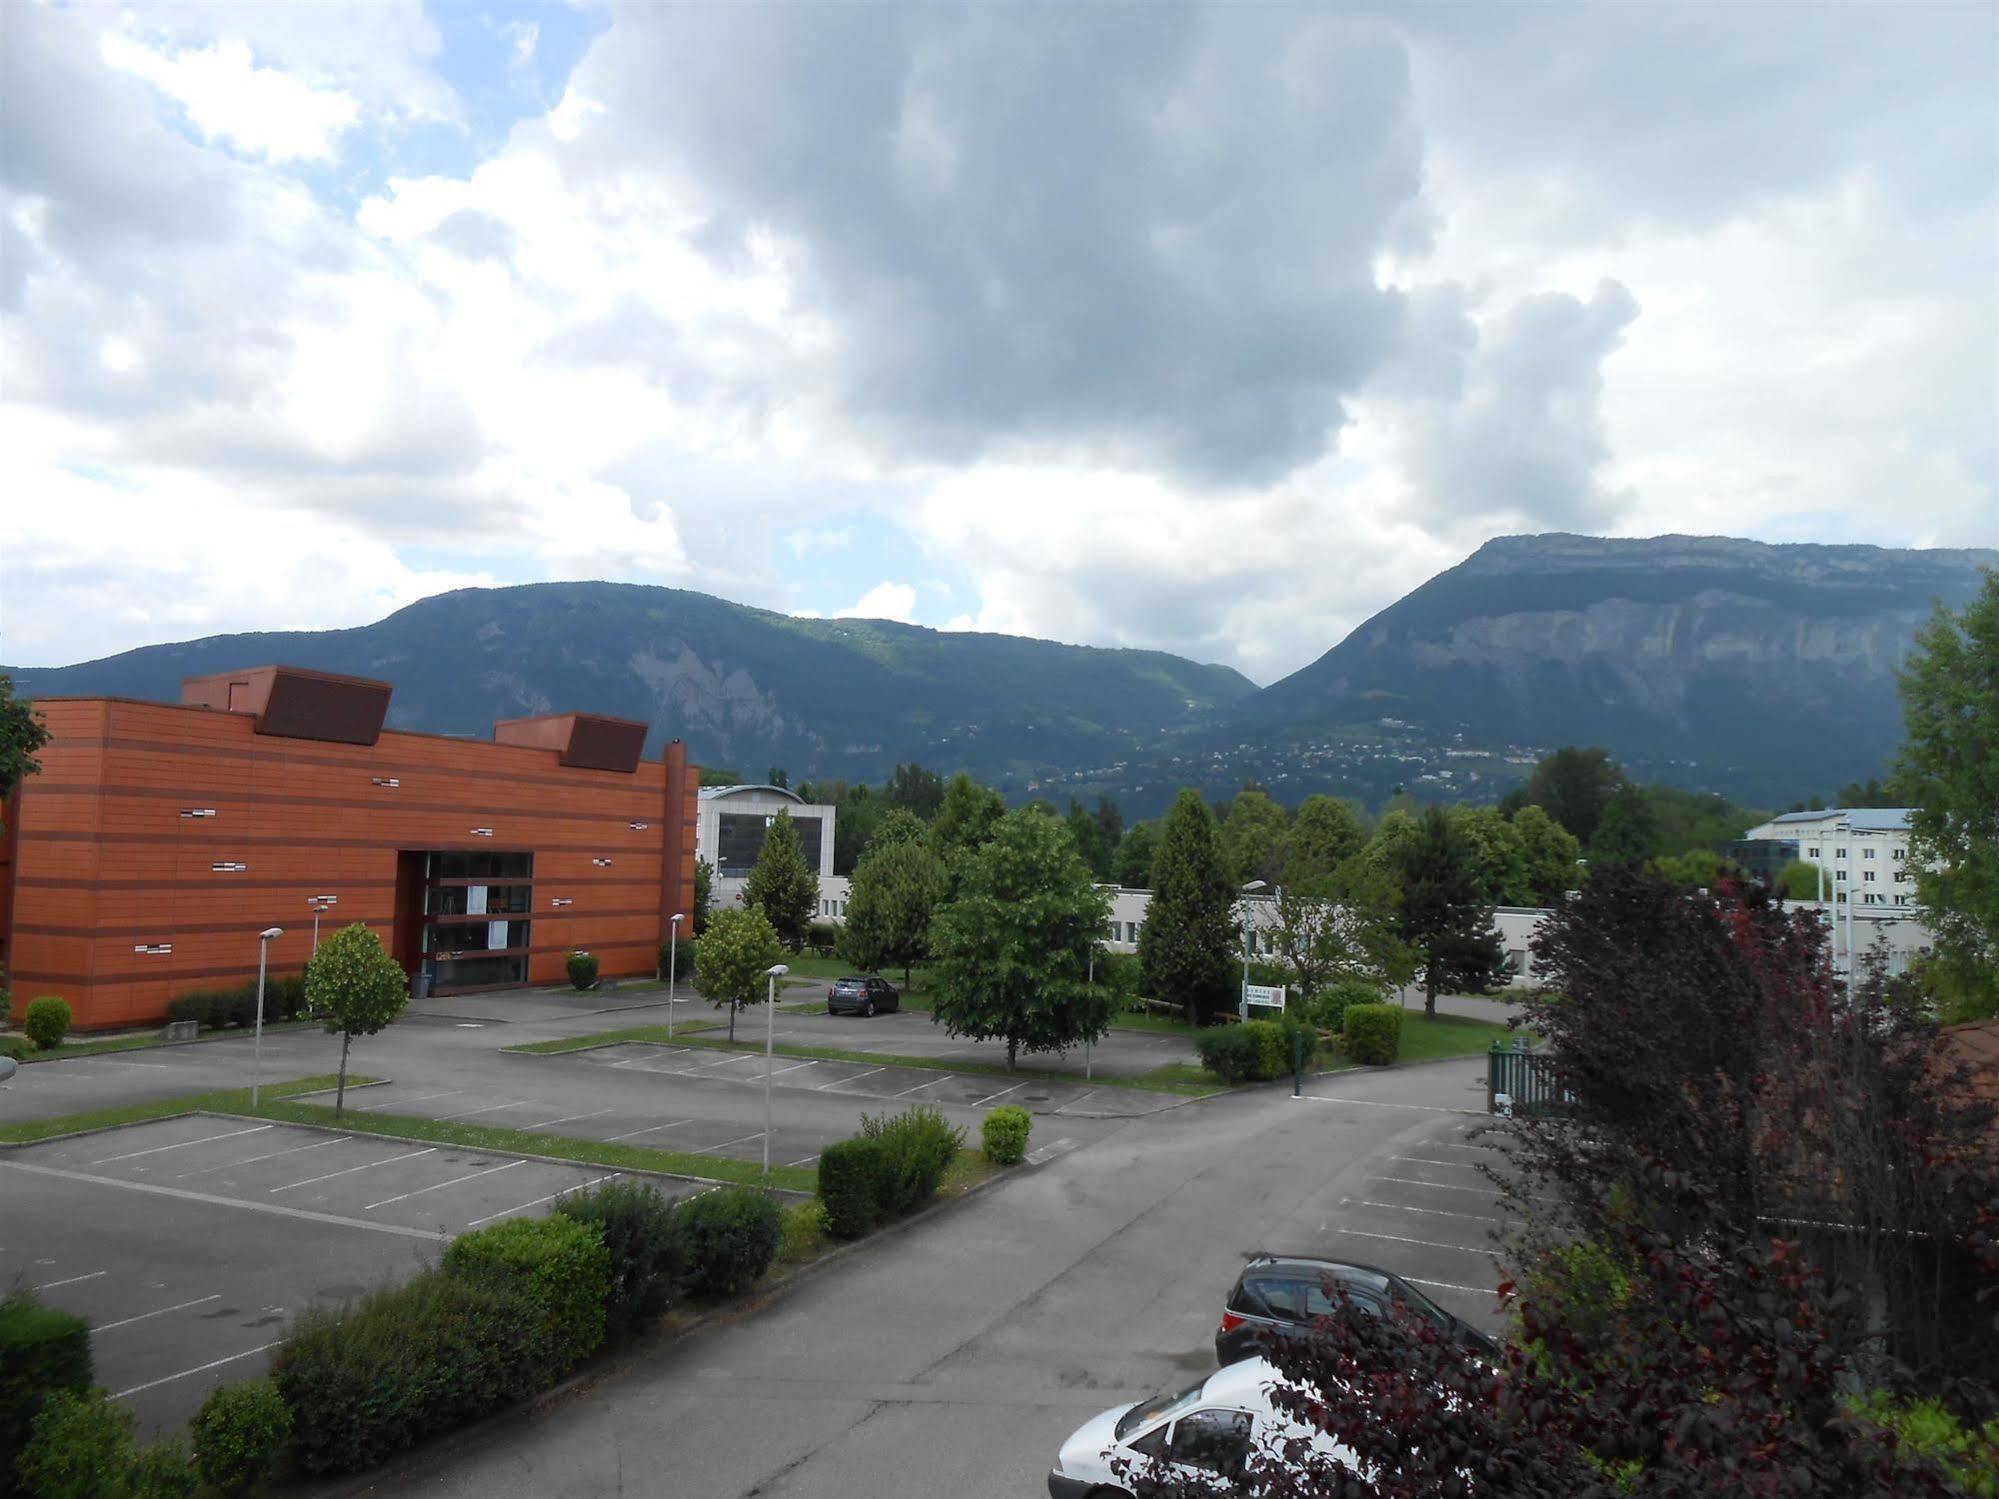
(238, 1433)
(1272, 975)
(366, 1381)
(558, 1263)
(1330, 1004)
(732, 1234)
(160, 1470)
(646, 1247)
(47, 1021)
(821, 936)
(79, 1447)
(43, 1352)
(1373, 1034)
(582, 968)
(1273, 1053)
(1120, 973)
(918, 1146)
(15, 1046)
(1926, 1434)
(679, 963)
(853, 1183)
(1228, 1051)
(800, 1228)
(1004, 1133)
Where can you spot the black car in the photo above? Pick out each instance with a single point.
(1281, 1296)
(862, 996)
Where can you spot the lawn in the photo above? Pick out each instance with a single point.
(1425, 1039)
(149, 1039)
(224, 1101)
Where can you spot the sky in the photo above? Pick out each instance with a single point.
(1205, 328)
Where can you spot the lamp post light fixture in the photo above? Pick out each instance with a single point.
(319, 903)
(672, 966)
(776, 972)
(1250, 888)
(264, 940)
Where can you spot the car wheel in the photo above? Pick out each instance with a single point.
(869, 1009)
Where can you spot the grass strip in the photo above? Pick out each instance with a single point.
(1425, 1038)
(223, 1101)
(1169, 1081)
(619, 1157)
(107, 1044)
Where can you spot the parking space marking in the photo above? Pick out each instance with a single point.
(132, 1155)
(1001, 1094)
(50, 1285)
(795, 1066)
(648, 1130)
(734, 1056)
(805, 1162)
(1370, 1103)
(154, 1384)
(156, 1066)
(708, 1149)
(440, 1186)
(1410, 1181)
(420, 1098)
(271, 1156)
(1403, 1239)
(98, 1327)
(1445, 1285)
(1430, 1160)
(824, 1087)
(506, 1212)
(1403, 1207)
(519, 1103)
(564, 1119)
(664, 1051)
(945, 1078)
(364, 1166)
(159, 1189)
(1092, 1093)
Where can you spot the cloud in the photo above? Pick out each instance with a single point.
(263, 111)
(896, 601)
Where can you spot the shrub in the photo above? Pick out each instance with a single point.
(1927, 1433)
(79, 1447)
(196, 1005)
(1329, 1005)
(1004, 1133)
(1373, 1034)
(853, 1183)
(160, 1470)
(366, 1381)
(1120, 973)
(1272, 975)
(800, 1228)
(1228, 1051)
(1273, 1053)
(47, 1021)
(558, 1263)
(679, 964)
(1301, 1042)
(918, 1145)
(731, 1236)
(238, 1433)
(17, 1047)
(645, 1245)
(43, 1352)
(821, 936)
(582, 968)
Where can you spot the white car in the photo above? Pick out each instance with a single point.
(1208, 1433)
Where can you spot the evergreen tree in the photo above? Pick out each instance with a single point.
(1110, 832)
(1186, 949)
(915, 789)
(1089, 840)
(704, 892)
(890, 906)
(1441, 916)
(1012, 948)
(781, 885)
(966, 815)
(732, 962)
(1573, 786)
(1135, 852)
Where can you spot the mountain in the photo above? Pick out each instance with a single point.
(1766, 672)
(747, 688)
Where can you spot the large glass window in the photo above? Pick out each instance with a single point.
(445, 938)
(475, 900)
(739, 838)
(480, 969)
(478, 864)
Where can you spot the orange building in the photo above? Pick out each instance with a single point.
(159, 839)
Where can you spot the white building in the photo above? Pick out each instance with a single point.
(729, 833)
(1864, 852)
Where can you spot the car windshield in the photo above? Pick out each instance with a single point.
(1158, 1408)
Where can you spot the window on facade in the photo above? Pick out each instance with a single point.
(1867, 853)
(1839, 874)
(480, 864)
(475, 971)
(1839, 853)
(447, 939)
(473, 900)
(1811, 853)
(1867, 875)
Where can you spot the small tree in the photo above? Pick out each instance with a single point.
(1012, 950)
(780, 883)
(1253, 836)
(1551, 852)
(1799, 880)
(734, 956)
(1324, 835)
(1186, 949)
(704, 893)
(1441, 916)
(353, 988)
(1342, 926)
(895, 826)
(889, 906)
(22, 735)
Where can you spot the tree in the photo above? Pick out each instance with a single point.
(1441, 916)
(890, 905)
(1868, 793)
(1110, 832)
(1135, 852)
(966, 815)
(780, 883)
(1697, 868)
(1948, 770)
(734, 958)
(22, 735)
(704, 892)
(1551, 852)
(1573, 786)
(1394, 835)
(915, 789)
(896, 826)
(1324, 834)
(1342, 926)
(1627, 833)
(1011, 952)
(1498, 856)
(1088, 836)
(1253, 837)
(1799, 880)
(777, 776)
(353, 988)
(715, 775)
(1186, 949)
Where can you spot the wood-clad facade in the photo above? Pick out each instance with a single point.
(159, 839)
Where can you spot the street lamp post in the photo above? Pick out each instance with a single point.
(776, 971)
(319, 903)
(672, 967)
(1252, 886)
(1093, 994)
(264, 939)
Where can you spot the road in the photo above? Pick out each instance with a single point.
(953, 1358)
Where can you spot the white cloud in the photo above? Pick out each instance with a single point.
(263, 111)
(896, 601)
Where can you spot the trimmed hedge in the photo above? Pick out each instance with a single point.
(918, 1146)
(821, 937)
(46, 1021)
(679, 965)
(367, 1381)
(238, 1433)
(582, 969)
(558, 1263)
(80, 1447)
(1373, 1034)
(853, 1180)
(1255, 1051)
(731, 1236)
(216, 1009)
(16, 1046)
(1003, 1133)
(646, 1246)
(43, 1352)
(1228, 1051)
(1329, 1005)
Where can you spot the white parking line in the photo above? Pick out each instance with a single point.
(823, 1087)
(648, 1130)
(564, 1119)
(795, 1066)
(709, 1149)
(944, 1078)
(806, 1162)
(490, 1109)
(1356, 1233)
(1430, 1160)
(1403, 1207)
(420, 1098)
(540, 1200)
(268, 1156)
(153, 1384)
(1446, 1285)
(364, 1166)
(1369, 1103)
(439, 1186)
(1410, 1181)
(130, 1155)
(1092, 1093)
(1001, 1094)
(98, 1327)
(50, 1285)
(156, 1066)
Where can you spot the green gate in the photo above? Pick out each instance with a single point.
(1518, 1081)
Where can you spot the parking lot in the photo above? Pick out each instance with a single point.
(912, 1033)
(188, 1244)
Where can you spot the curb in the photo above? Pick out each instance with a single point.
(283, 1027)
(105, 1129)
(400, 1475)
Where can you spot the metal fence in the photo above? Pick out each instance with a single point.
(1518, 1081)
